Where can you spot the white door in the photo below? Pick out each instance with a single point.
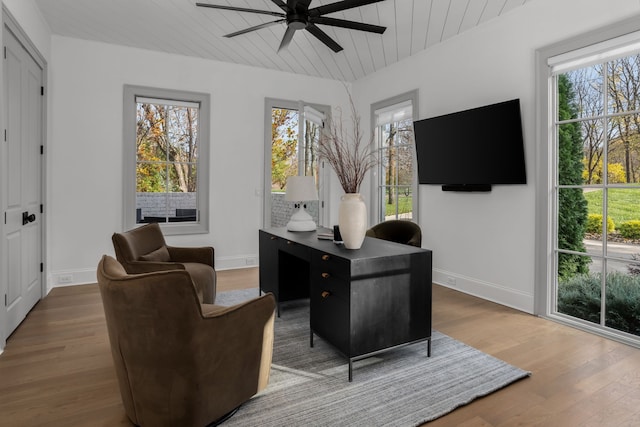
(21, 183)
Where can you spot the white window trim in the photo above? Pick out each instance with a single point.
(203, 100)
(403, 99)
(545, 167)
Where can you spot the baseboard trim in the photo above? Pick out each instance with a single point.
(518, 300)
(236, 262)
(61, 278)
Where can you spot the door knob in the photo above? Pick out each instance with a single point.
(26, 218)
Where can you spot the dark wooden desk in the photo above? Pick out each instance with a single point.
(362, 301)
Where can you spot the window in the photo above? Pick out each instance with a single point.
(166, 136)
(593, 278)
(396, 188)
(291, 149)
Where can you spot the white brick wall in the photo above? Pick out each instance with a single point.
(154, 204)
(282, 210)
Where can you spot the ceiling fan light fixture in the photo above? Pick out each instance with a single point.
(297, 22)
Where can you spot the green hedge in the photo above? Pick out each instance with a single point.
(594, 224)
(630, 229)
(579, 297)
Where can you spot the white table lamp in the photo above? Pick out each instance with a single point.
(301, 189)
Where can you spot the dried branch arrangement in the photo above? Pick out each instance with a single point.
(347, 155)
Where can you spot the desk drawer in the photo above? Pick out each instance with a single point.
(330, 264)
(336, 286)
(295, 249)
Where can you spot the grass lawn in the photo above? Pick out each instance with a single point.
(405, 205)
(624, 205)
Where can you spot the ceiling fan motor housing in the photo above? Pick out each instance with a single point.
(296, 21)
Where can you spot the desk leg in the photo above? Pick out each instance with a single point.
(429, 347)
(350, 369)
(311, 339)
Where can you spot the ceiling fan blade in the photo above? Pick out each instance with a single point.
(339, 6)
(352, 25)
(241, 9)
(323, 37)
(292, 5)
(282, 5)
(257, 27)
(286, 39)
(301, 6)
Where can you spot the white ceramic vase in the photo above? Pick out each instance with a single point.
(352, 220)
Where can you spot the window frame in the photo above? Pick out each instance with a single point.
(546, 205)
(411, 96)
(131, 92)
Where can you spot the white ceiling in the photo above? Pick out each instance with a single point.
(179, 27)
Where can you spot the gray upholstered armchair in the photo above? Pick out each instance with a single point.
(144, 249)
(179, 362)
(397, 230)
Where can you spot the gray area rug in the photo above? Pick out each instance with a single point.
(403, 387)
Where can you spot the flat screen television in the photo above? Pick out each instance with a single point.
(473, 149)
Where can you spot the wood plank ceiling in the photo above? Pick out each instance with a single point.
(179, 27)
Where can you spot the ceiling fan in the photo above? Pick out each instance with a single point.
(298, 16)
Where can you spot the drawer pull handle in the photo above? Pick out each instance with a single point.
(273, 237)
(289, 242)
(325, 294)
(325, 275)
(325, 257)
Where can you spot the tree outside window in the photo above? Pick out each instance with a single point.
(396, 184)
(598, 194)
(396, 168)
(291, 156)
(167, 158)
(166, 142)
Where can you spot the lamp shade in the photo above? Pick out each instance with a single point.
(301, 189)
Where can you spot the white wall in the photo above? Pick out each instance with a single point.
(85, 147)
(486, 242)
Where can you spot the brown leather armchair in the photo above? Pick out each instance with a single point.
(144, 249)
(179, 362)
(397, 230)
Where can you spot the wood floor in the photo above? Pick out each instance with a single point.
(56, 369)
